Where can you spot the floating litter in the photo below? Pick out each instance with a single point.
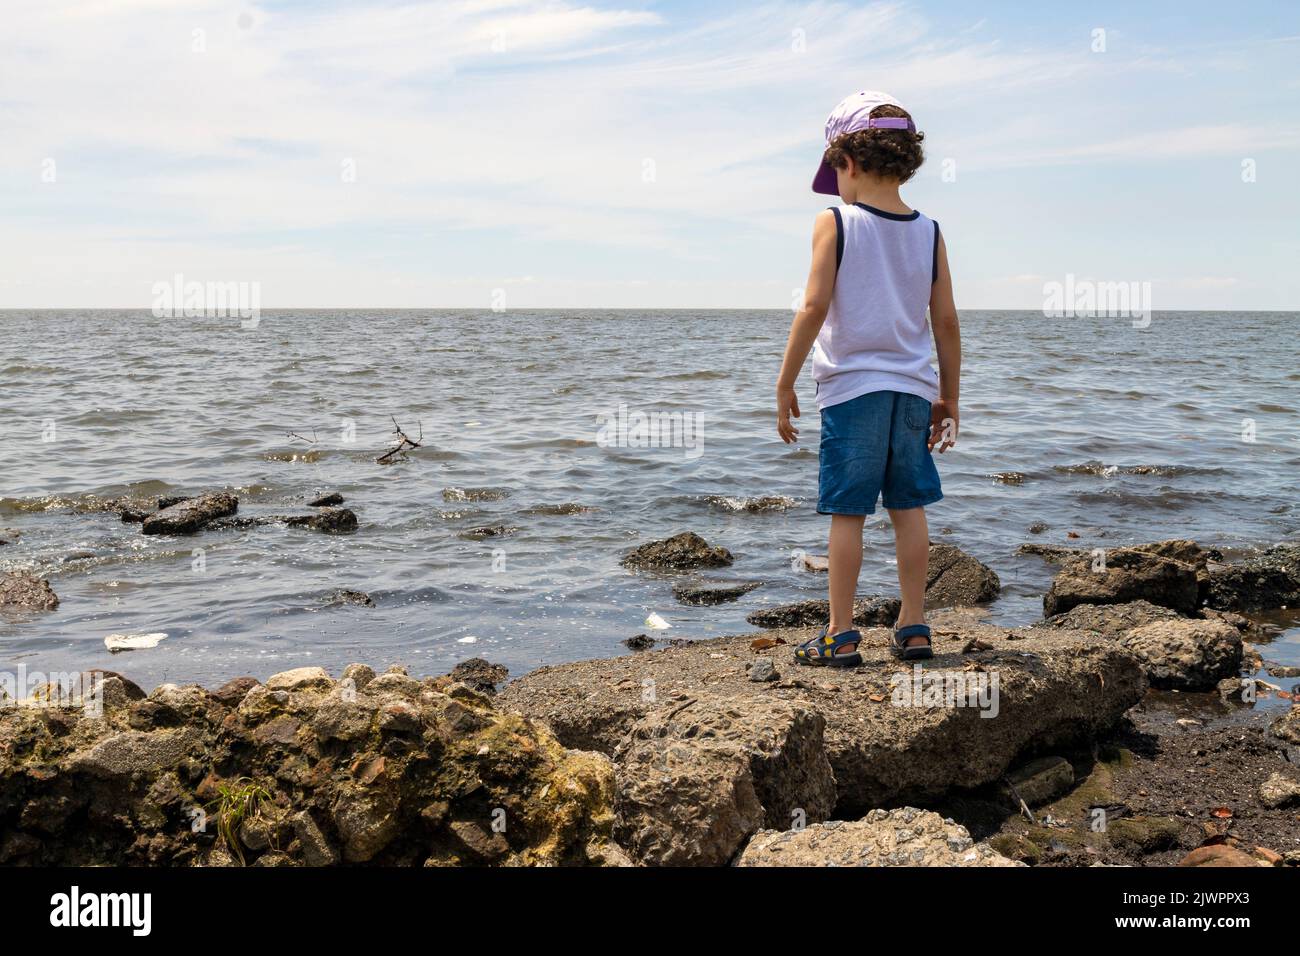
(133, 642)
(467, 640)
(656, 623)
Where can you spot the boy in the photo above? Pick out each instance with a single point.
(876, 266)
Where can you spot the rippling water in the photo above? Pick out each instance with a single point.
(1114, 433)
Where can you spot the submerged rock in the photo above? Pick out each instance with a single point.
(713, 592)
(388, 771)
(328, 520)
(488, 531)
(1186, 654)
(755, 505)
(955, 579)
(26, 592)
(682, 552)
(904, 836)
(346, 596)
(326, 500)
(189, 515)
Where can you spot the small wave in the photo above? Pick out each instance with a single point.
(20, 369)
(701, 376)
(474, 494)
(568, 508)
(309, 457)
(136, 496)
(1160, 471)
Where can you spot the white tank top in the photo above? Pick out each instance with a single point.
(877, 335)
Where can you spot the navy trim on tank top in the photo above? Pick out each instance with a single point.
(839, 237)
(934, 269)
(896, 216)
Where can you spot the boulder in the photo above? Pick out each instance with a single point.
(1123, 575)
(892, 732)
(904, 836)
(955, 579)
(867, 612)
(1266, 581)
(26, 592)
(327, 500)
(682, 552)
(695, 781)
(1186, 654)
(707, 593)
(189, 515)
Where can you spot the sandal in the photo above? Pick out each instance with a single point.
(824, 650)
(917, 652)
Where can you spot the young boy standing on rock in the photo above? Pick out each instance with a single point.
(877, 265)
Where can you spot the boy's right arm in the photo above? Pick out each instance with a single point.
(947, 342)
(807, 322)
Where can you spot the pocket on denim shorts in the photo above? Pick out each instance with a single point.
(916, 412)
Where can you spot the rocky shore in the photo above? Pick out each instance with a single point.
(1128, 726)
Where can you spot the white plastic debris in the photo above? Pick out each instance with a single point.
(656, 623)
(467, 640)
(133, 642)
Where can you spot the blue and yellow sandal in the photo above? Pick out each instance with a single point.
(824, 650)
(917, 652)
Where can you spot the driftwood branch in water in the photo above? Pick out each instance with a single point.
(404, 442)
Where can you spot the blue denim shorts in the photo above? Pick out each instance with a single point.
(873, 446)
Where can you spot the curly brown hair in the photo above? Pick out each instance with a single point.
(892, 153)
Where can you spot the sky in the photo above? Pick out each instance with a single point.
(636, 154)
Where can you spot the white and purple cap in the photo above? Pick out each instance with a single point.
(853, 114)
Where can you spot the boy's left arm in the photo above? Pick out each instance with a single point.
(807, 323)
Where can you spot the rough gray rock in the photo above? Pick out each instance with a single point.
(480, 675)
(1054, 687)
(867, 612)
(1287, 726)
(26, 592)
(706, 593)
(1279, 791)
(694, 781)
(1128, 574)
(955, 579)
(1266, 581)
(681, 552)
(1043, 780)
(190, 514)
(1111, 620)
(904, 836)
(1186, 654)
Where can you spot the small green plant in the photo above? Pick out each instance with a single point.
(238, 800)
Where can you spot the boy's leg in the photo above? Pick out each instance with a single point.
(845, 555)
(912, 544)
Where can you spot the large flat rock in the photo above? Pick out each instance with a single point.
(1052, 688)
